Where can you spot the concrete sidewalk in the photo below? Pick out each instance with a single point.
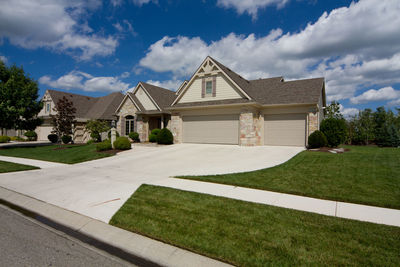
(32, 162)
(142, 248)
(325, 207)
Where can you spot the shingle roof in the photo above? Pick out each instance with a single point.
(162, 96)
(136, 100)
(214, 102)
(91, 107)
(105, 107)
(277, 91)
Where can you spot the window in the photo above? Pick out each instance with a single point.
(209, 88)
(48, 107)
(129, 124)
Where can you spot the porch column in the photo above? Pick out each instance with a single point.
(162, 121)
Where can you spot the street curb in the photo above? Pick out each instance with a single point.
(137, 249)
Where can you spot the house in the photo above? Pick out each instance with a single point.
(144, 109)
(87, 108)
(218, 106)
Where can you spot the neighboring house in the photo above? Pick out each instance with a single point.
(218, 106)
(87, 108)
(144, 109)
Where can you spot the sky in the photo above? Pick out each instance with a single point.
(97, 47)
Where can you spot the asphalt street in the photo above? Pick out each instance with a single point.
(27, 242)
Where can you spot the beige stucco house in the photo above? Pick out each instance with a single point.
(218, 106)
(87, 108)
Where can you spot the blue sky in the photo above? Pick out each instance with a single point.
(94, 47)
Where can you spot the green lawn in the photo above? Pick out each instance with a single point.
(72, 154)
(365, 175)
(14, 167)
(249, 234)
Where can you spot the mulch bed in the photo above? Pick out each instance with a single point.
(330, 150)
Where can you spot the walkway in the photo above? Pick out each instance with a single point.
(32, 162)
(325, 207)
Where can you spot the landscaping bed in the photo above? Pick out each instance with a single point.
(6, 166)
(249, 234)
(70, 154)
(365, 175)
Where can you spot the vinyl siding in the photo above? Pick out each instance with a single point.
(145, 100)
(224, 90)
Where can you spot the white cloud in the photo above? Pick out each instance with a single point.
(116, 3)
(348, 112)
(168, 84)
(125, 27)
(142, 2)
(352, 47)
(4, 59)
(395, 103)
(386, 93)
(250, 6)
(83, 81)
(57, 25)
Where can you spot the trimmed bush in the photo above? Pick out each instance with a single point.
(122, 143)
(17, 138)
(155, 131)
(109, 134)
(32, 135)
(52, 138)
(91, 141)
(4, 139)
(134, 136)
(317, 139)
(66, 139)
(153, 138)
(165, 137)
(335, 131)
(103, 146)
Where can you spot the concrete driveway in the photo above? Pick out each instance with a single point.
(99, 188)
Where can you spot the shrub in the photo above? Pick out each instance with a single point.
(52, 138)
(95, 136)
(134, 136)
(17, 138)
(317, 139)
(103, 146)
(335, 131)
(122, 143)
(4, 139)
(109, 134)
(165, 137)
(155, 131)
(91, 141)
(152, 138)
(66, 139)
(32, 135)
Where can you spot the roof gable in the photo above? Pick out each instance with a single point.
(210, 67)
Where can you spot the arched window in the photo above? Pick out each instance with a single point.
(129, 124)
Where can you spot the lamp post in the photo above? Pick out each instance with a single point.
(113, 133)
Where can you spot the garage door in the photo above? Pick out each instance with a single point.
(43, 132)
(215, 129)
(285, 129)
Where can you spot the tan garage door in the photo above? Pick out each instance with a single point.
(285, 129)
(215, 129)
(43, 132)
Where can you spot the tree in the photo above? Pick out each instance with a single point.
(335, 131)
(333, 111)
(387, 131)
(65, 117)
(96, 127)
(19, 99)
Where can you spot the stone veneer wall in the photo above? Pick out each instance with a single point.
(251, 127)
(175, 126)
(312, 122)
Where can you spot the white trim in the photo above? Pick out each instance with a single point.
(123, 101)
(183, 85)
(147, 93)
(197, 72)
